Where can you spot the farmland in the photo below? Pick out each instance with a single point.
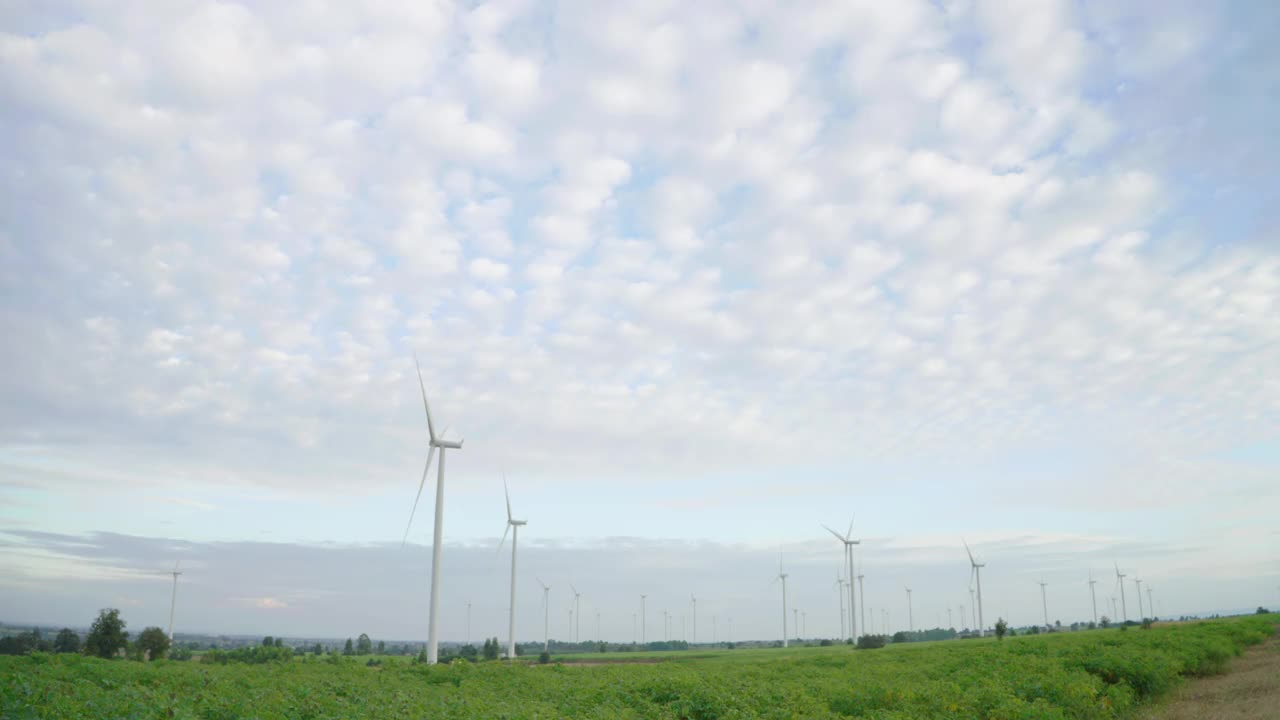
(1095, 674)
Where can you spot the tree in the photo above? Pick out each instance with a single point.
(318, 649)
(279, 642)
(154, 641)
(491, 648)
(1262, 611)
(1105, 622)
(68, 641)
(1002, 627)
(107, 635)
(364, 646)
(382, 648)
(268, 641)
(346, 649)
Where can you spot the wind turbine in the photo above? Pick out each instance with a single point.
(862, 602)
(973, 606)
(783, 577)
(1151, 604)
(975, 573)
(848, 543)
(911, 618)
(1044, 602)
(514, 526)
(1120, 582)
(1093, 596)
(438, 534)
(577, 613)
(1141, 613)
(173, 600)
(840, 588)
(546, 615)
(694, 600)
(642, 618)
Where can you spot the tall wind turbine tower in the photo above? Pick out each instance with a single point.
(862, 602)
(840, 589)
(642, 616)
(1151, 604)
(437, 542)
(1093, 596)
(848, 542)
(693, 598)
(911, 618)
(1138, 583)
(783, 577)
(1120, 582)
(975, 573)
(514, 526)
(577, 613)
(1044, 602)
(173, 599)
(973, 606)
(546, 615)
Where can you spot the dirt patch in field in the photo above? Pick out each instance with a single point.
(1250, 690)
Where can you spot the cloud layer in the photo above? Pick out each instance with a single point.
(982, 266)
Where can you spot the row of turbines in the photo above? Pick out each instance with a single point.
(848, 542)
(854, 611)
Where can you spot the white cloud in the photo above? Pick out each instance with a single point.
(704, 242)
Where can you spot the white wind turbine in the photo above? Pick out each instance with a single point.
(577, 612)
(513, 525)
(642, 619)
(783, 577)
(975, 573)
(694, 600)
(848, 542)
(173, 600)
(546, 615)
(840, 589)
(1124, 608)
(1044, 602)
(1141, 613)
(1093, 596)
(438, 533)
(862, 601)
(911, 618)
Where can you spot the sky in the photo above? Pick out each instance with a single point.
(696, 278)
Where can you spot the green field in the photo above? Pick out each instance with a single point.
(1095, 674)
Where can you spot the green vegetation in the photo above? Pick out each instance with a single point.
(1098, 674)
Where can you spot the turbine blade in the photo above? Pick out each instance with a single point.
(966, 549)
(833, 532)
(506, 492)
(504, 537)
(849, 533)
(430, 456)
(431, 428)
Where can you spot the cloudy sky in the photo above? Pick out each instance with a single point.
(696, 276)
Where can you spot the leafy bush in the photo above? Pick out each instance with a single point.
(872, 642)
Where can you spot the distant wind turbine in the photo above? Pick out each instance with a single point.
(973, 606)
(642, 617)
(1044, 602)
(173, 599)
(840, 589)
(862, 601)
(783, 577)
(1138, 584)
(577, 613)
(1120, 582)
(693, 598)
(546, 615)
(1151, 604)
(911, 618)
(438, 536)
(975, 573)
(848, 542)
(1093, 596)
(514, 526)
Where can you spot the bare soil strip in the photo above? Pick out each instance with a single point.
(1250, 690)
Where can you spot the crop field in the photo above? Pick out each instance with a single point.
(1095, 674)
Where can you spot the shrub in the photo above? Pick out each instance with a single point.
(544, 657)
(871, 642)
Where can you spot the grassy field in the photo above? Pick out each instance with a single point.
(1097, 674)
